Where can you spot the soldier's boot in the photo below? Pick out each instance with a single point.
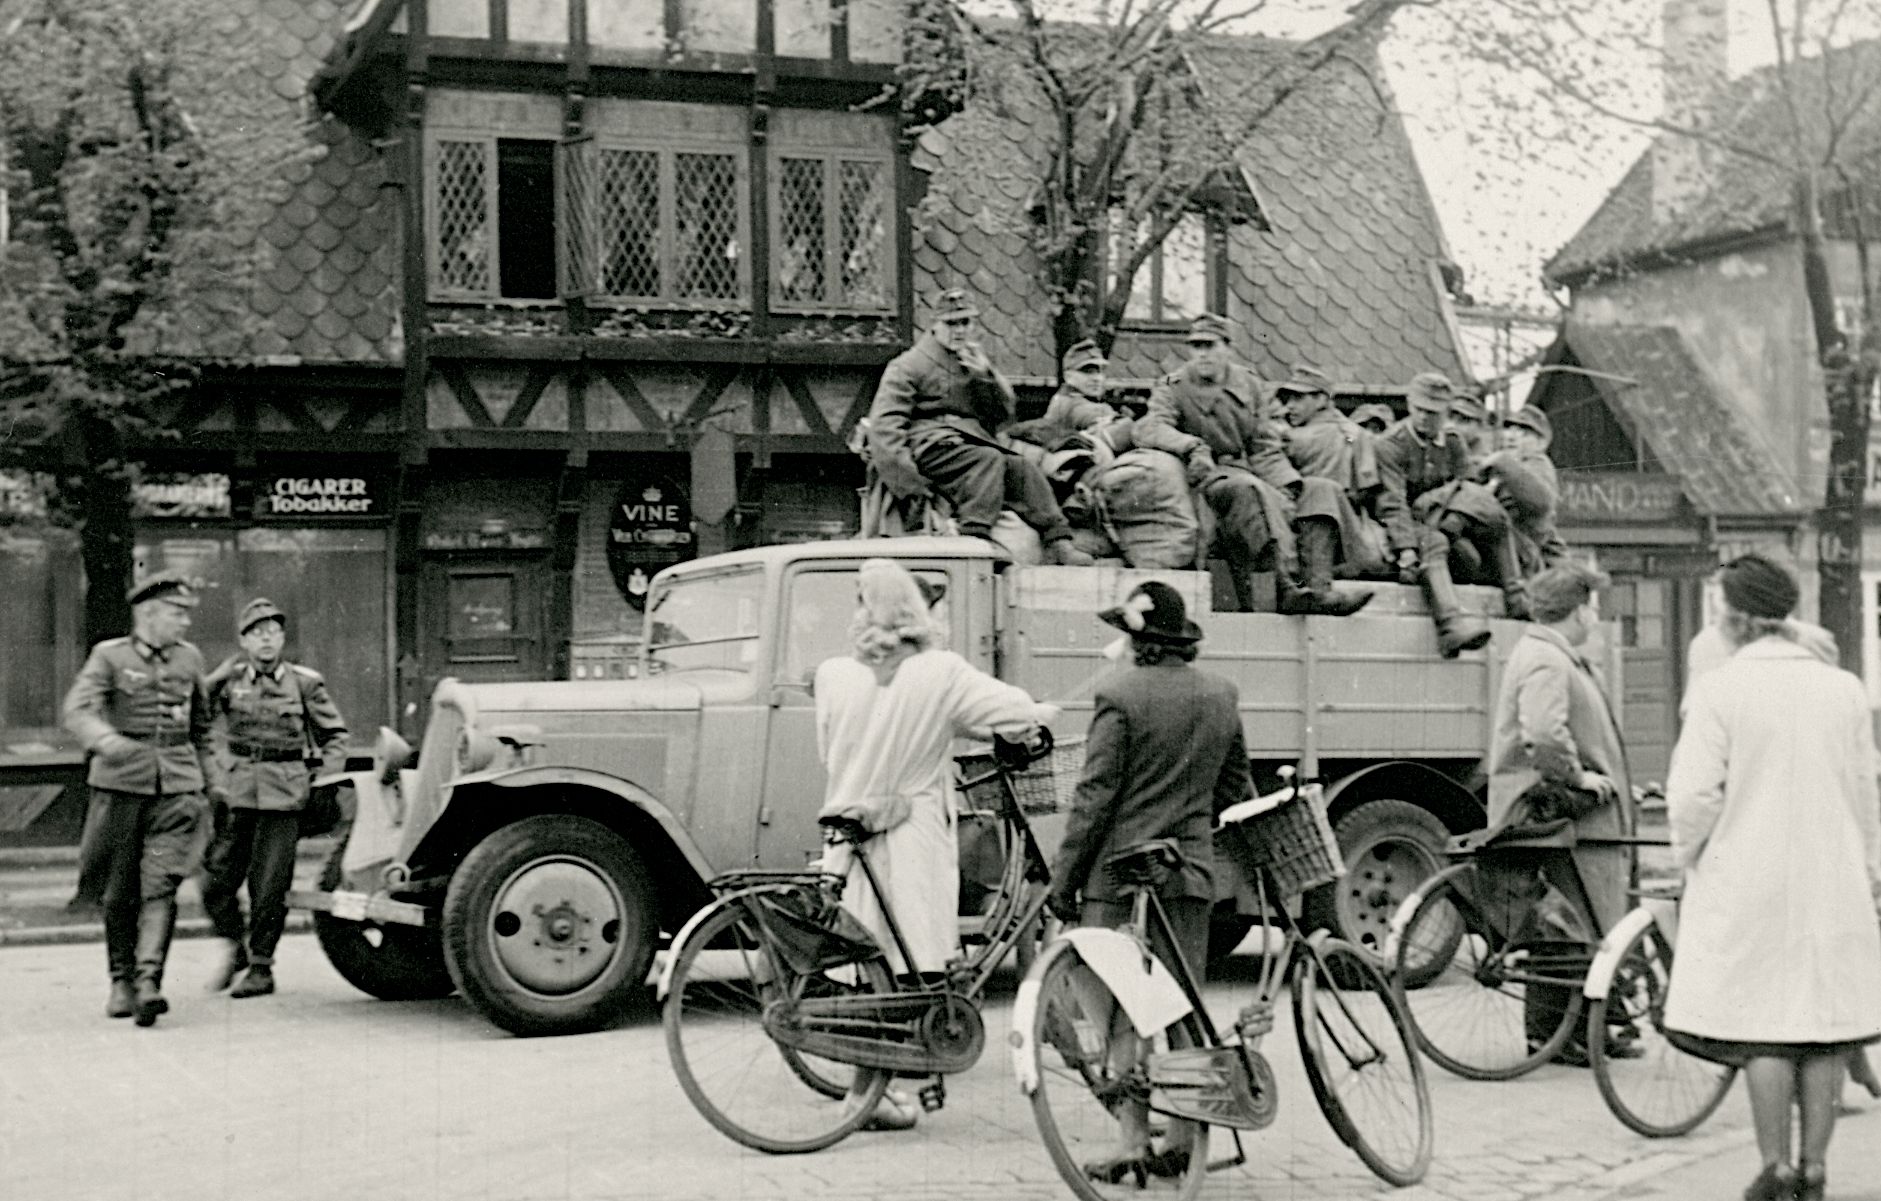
(1314, 592)
(1066, 554)
(121, 953)
(1508, 565)
(155, 922)
(234, 960)
(1457, 631)
(258, 982)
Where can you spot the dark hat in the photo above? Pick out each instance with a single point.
(1529, 417)
(1758, 587)
(1209, 325)
(931, 590)
(954, 302)
(1085, 353)
(1382, 414)
(1306, 381)
(172, 586)
(257, 611)
(1465, 405)
(1154, 612)
(1431, 391)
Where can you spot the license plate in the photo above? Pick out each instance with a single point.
(350, 906)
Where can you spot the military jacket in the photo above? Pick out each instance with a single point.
(1229, 416)
(1527, 483)
(1071, 410)
(926, 393)
(158, 698)
(278, 725)
(1410, 465)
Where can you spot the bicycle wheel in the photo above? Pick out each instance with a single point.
(1656, 1089)
(1466, 989)
(747, 1086)
(1089, 1061)
(1361, 1061)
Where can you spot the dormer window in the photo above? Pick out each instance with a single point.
(1175, 283)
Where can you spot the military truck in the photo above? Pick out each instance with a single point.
(551, 834)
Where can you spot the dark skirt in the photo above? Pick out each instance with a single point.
(1736, 1054)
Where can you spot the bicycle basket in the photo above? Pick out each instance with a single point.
(1294, 842)
(810, 933)
(1043, 786)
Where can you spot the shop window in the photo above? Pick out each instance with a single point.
(653, 223)
(1174, 284)
(831, 238)
(482, 617)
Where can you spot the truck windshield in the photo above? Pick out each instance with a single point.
(705, 620)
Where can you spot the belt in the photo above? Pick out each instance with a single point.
(266, 754)
(161, 738)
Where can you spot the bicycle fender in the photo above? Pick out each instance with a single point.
(1402, 918)
(1150, 996)
(1607, 958)
(679, 941)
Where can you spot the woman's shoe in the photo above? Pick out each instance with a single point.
(1777, 1182)
(1168, 1163)
(1811, 1186)
(894, 1112)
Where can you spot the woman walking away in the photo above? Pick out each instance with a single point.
(886, 718)
(1773, 809)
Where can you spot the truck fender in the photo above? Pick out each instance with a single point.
(564, 778)
(1142, 985)
(1401, 919)
(1651, 911)
(1457, 799)
(378, 812)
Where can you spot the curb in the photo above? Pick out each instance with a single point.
(91, 932)
(309, 848)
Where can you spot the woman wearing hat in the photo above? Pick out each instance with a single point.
(1773, 811)
(1164, 755)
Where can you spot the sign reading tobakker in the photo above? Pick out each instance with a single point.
(319, 496)
(650, 528)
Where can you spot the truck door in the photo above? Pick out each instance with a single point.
(819, 602)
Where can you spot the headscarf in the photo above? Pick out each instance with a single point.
(1757, 587)
(892, 618)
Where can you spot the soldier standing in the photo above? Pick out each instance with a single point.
(281, 725)
(141, 709)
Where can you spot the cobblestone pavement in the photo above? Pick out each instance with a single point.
(321, 1094)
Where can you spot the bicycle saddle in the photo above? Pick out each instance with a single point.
(1144, 865)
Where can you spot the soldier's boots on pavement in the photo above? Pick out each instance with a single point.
(1457, 631)
(234, 962)
(155, 922)
(1314, 593)
(257, 982)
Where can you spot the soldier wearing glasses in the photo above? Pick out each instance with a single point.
(141, 709)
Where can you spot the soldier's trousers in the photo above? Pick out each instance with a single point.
(139, 848)
(979, 480)
(256, 847)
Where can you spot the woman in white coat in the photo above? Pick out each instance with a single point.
(886, 720)
(1773, 811)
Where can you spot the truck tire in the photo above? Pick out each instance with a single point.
(391, 962)
(1390, 848)
(549, 926)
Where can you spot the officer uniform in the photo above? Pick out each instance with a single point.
(934, 427)
(148, 816)
(279, 723)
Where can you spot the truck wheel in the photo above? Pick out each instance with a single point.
(1390, 848)
(549, 926)
(391, 962)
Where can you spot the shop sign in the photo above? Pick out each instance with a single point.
(650, 528)
(23, 494)
(491, 535)
(177, 495)
(1617, 496)
(319, 496)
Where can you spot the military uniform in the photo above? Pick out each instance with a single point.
(280, 724)
(1529, 488)
(1331, 446)
(142, 713)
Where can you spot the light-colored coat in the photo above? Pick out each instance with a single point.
(1552, 723)
(1773, 809)
(887, 747)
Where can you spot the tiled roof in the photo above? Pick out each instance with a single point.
(1683, 418)
(1743, 194)
(1344, 277)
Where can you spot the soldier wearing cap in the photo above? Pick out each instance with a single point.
(1373, 418)
(935, 428)
(1469, 417)
(1213, 416)
(280, 726)
(1436, 510)
(1322, 442)
(1079, 402)
(1525, 480)
(141, 709)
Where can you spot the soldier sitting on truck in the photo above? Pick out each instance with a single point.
(935, 429)
(1213, 416)
(1524, 479)
(1323, 442)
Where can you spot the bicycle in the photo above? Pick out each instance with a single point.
(783, 1021)
(1101, 1021)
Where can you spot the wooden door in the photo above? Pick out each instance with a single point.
(482, 618)
(1648, 712)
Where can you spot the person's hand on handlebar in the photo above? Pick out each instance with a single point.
(1603, 786)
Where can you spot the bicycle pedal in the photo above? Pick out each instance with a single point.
(934, 1096)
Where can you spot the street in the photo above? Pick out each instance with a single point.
(322, 1094)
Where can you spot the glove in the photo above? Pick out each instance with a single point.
(1408, 566)
(1063, 906)
(1201, 465)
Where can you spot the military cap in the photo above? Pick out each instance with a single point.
(172, 586)
(257, 611)
(1305, 381)
(1532, 418)
(1084, 353)
(1465, 405)
(1431, 390)
(954, 302)
(1382, 414)
(1212, 326)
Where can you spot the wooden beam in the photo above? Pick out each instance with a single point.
(858, 408)
(409, 170)
(465, 390)
(708, 395)
(799, 390)
(637, 404)
(839, 32)
(534, 385)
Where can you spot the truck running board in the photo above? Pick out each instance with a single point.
(360, 907)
